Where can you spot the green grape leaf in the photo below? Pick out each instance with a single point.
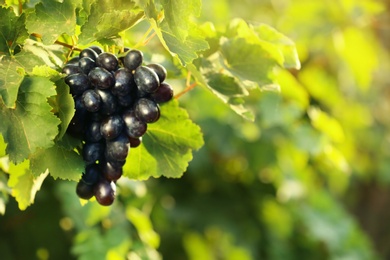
(37, 54)
(52, 19)
(23, 184)
(12, 28)
(107, 19)
(167, 146)
(149, 8)
(31, 124)
(59, 161)
(11, 76)
(246, 60)
(226, 88)
(177, 14)
(64, 106)
(186, 49)
(285, 45)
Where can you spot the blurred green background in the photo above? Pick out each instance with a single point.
(309, 179)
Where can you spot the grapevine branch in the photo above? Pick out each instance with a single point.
(72, 47)
(189, 86)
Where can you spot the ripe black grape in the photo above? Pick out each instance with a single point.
(159, 70)
(146, 79)
(133, 59)
(92, 132)
(134, 127)
(78, 83)
(147, 110)
(88, 53)
(105, 192)
(108, 104)
(93, 152)
(70, 69)
(123, 82)
(101, 78)
(118, 148)
(108, 61)
(112, 171)
(91, 100)
(86, 64)
(111, 127)
(97, 49)
(163, 94)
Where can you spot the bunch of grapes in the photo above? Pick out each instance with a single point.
(115, 100)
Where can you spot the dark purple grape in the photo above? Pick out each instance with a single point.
(134, 127)
(118, 148)
(146, 79)
(70, 69)
(92, 174)
(88, 53)
(97, 49)
(91, 100)
(105, 192)
(108, 105)
(112, 171)
(85, 188)
(93, 152)
(101, 78)
(86, 64)
(133, 59)
(135, 142)
(126, 101)
(108, 61)
(85, 191)
(92, 132)
(147, 110)
(123, 82)
(163, 94)
(78, 83)
(159, 70)
(111, 127)
(73, 61)
(76, 126)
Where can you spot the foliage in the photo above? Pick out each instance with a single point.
(286, 141)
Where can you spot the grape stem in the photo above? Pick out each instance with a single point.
(72, 47)
(145, 39)
(189, 86)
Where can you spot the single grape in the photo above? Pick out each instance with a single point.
(146, 79)
(134, 127)
(92, 132)
(101, 78)
(88, 53)
(93, 152)
(123, 82)
(108, 105)
(70, 69)
(73, 61)
(108, 61)
(159, 70)
(78, 83)
(111, 127)
(105, 192)
(86, 64)
(92, 174)
(97, 49)
(112, 171)
(85, 188)
(133, 59)
(85, 191)
(135, 142)
(91, 100)
(118, 148)
(147, 110)
(163, 94)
